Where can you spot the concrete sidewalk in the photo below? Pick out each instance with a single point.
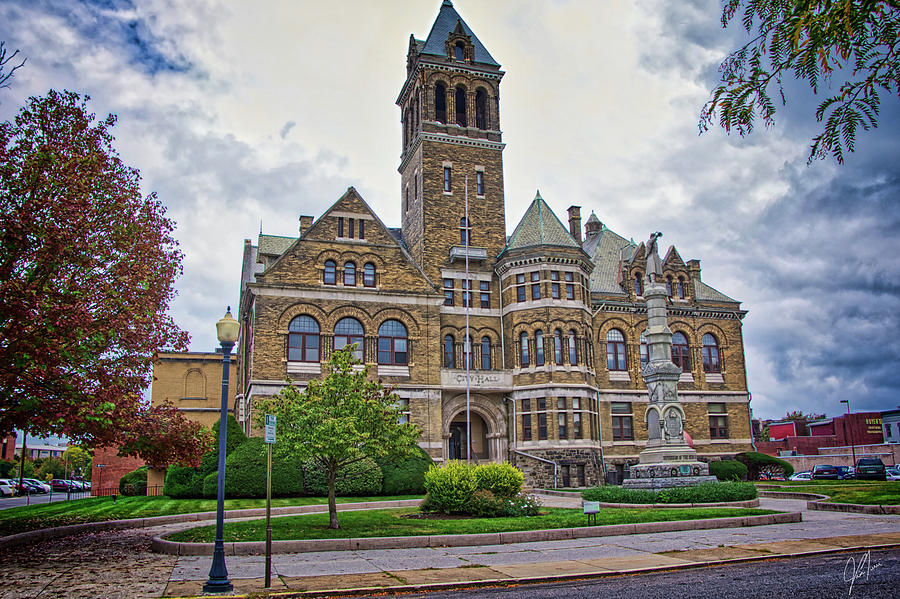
(442, 567)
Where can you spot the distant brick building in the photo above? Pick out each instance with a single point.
(556, 313)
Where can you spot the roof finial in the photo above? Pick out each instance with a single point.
(537, 195)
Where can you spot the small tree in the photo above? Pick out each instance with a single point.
(339, 420)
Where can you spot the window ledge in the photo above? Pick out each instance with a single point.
(386, 370)
(619, 375)
(714, 377)
(304, 368)
(686, 377)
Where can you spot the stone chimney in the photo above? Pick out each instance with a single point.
(575, 222)
(694, 270)
(305, 223)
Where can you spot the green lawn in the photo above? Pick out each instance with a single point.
(863, 492)
(99, 509)
(392, 523)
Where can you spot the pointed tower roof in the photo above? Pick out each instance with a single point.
(540, 226)
(448, 20)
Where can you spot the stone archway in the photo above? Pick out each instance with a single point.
(487, 426)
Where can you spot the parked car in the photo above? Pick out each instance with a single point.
(825, 472)
(870, 468)
(42, 486)
(801, 476)
(6, 488)
(845, 472)
(892, 472)
(59, 484)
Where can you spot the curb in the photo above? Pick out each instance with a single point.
(819, 502)
(44, 534)
(161, 545)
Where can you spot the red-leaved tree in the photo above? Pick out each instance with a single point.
(87, 271)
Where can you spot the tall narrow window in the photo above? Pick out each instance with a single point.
(563, 433)
(615, 350)
(349, 331)
(638, 284)
(481, 108)
(535, 285)
(449, 351)
(645, 349)
(368, 272)
(711, 354)
(570, 286)
(485, 287)
(681, 287)
(520, 287)
(465, 232)
(554, 284)
(681, 352)
(447, 179)
(669, 286)
(340, 226)
(526, 427)
(392, 343)
(538, 348)
(577, 432)
(623, 429)
(461, 119)
(303, 340)
(440, 103)
(485, 353)
(459, 51)
(467, 293)
(448, 292)
(557, 346)
(523, 350)
(479, 183)
(467, 352)
(362, 229)
(350, 274)
(573, 348)
(350, 232)
(329, 277)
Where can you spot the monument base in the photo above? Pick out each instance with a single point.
(666, 482)
(667, 474)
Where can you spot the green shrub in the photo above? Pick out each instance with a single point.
(762, 463)
(521, 505)
(702, 493)
(7, 467)
(503, 480)
(134, 483)
(362, 478)
(405, 476)
(450, 487)
(728, 470)
(485, 504)
(211, 484)
(182, 483)
(245, 471)
(234, 438)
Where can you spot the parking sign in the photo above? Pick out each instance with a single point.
(270, 428)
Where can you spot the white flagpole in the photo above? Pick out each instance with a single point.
(468, 345)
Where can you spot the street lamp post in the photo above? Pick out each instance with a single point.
(227, 331)
(850, 424)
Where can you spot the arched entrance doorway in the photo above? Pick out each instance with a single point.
(487, 425)
(457, 445)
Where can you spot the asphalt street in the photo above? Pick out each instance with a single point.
(10, 502)
(861, 574)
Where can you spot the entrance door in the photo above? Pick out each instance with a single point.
(458, 441)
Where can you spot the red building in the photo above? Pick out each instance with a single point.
(105, 478)
(861, 428)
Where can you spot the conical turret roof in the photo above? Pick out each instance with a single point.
(447, 21)
(540, 226)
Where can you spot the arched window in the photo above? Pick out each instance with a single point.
(449, 355)
(330, 276)
(711, 354)
(368, 273)
(557, 346)
(303, 340)
(392, 343)
(465, 232)
(461, 107)
(348, 331)
(638, 284)
(669, 286)
(349, 274)
(523, 349)
(681, 352)
(481, 108)
(615, 350)
(681, 287)
(440, 103)
(459, 51)
(573, 348)
(538, 348)
(645, 349)
(485, 353)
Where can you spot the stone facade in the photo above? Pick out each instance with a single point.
(552, 311)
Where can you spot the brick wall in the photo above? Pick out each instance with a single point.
(107, 481)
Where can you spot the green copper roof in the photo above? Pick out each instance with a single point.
(540, 226)
(446, 23)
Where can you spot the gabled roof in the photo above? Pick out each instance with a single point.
(274, 245)
(445, 23)
(702, 291)
(607, 251)
(540, 226)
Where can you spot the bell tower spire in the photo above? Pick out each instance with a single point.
(450, 115)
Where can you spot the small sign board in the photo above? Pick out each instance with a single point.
(270, 428)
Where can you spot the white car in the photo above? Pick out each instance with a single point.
(893, 473)
(801, 476)
(6, 489)
(42, 485)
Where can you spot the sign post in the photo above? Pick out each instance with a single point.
(270, 440)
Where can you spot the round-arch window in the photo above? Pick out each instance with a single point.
(557, 346)
(349, 331)
(350, 274)
(459, 51)
(615, 350)
(681, 287)
(368, 274)
(523, 350)
(329, 277)
(711, 361)
(539, 348)
(485, 353)
(449, 353)
(573, 348)
(392, 343)
(645, 349)
(303, 340)
(681, 352)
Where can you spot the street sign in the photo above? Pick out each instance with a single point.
(270, 428)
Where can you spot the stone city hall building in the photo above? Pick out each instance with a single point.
(555, 317)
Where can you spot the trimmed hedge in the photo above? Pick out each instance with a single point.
(728, 470)
(405, 476)
(450, 487)
(761, 462)
(702, 493)
(245, 472)
(503, 480)
(362, 478)
(211, 484)
(187, 482)
(180, 483)
(134, 483)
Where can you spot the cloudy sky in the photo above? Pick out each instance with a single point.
(240, 113)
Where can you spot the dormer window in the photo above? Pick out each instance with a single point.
(459, 51)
